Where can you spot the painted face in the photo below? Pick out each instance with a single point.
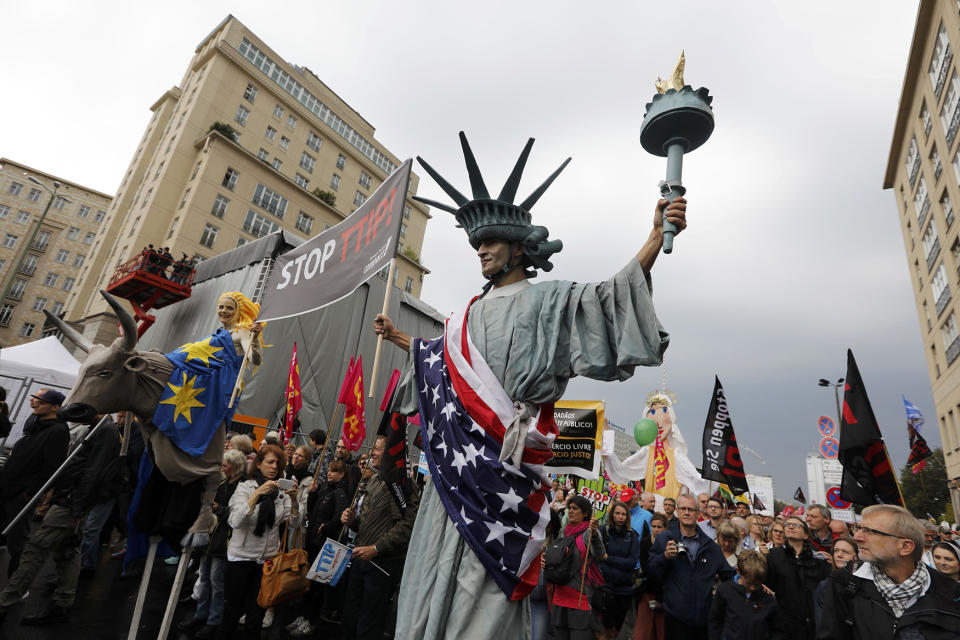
(226, 311)
(269, 466)
(660, 413)
(494, 256)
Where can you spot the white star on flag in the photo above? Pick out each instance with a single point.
(433, 359)
(510, 500)
(449, 410)
(458, 461)
(497, 531)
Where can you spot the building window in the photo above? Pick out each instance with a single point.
(60, 203)
(937, 164)
(5, 312)
(277, 111)
(159, 169)
(27, 329)
(29, 264)
(951, 338)
(334, 182)
(89, 237)
(931, 245)
(406, 212)
(209, 235)
(230, 178)
(926, 313)
(9, 241)
(62, 256)
(341, 161)
(307, 162)
(941, 289)
(270, 200)
(186, 194)
(947, 207)
(314, 141)
(4, 211)
(271, 133)
(146, 198)
(34, 195)
(173, 227)
(364, 180)
(921, 202)
(51, 279)
(242, 114)
(99, 215)
(291, 122)
(16, 291)
(409, 286)
(22, 217)
(284, 142)
(950, 111)
(250, 93)
(301, 181)
(133, 227)
(940, 61)
(359, 198)
(83, 211)
(403, 229)
(240, 241)
(263, 154)
(15, 188)
(57, 308)
(78, 260)
(304, 222)
(40, 242)
(68, 283)
(196, 170)
(926, 119)
(219, 206)
(257, 225)
(276, 164)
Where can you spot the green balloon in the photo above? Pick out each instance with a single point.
(645, 432)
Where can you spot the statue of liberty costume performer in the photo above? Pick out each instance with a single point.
(514, 347)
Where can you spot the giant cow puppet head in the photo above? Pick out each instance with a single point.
(118, 377)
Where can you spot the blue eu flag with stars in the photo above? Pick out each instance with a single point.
(194, 400)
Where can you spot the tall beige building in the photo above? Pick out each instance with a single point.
(202, 192)
(48, 227)
(924, 172)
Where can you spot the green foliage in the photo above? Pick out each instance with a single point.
(225, 129)
(326, 196)
(410, 253)
(927, 491)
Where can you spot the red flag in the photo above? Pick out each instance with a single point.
(354, 426)
(294, 401)
(394, 379)
(345, 387)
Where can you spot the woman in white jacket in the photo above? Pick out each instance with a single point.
(257, 509)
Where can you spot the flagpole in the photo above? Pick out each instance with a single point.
(243, 365)
(586, 559)
(386, 307)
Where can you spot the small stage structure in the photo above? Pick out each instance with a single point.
(149, 281)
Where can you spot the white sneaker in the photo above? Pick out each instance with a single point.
(305, 630)
(296, 623)
(243, 619)
(268, 618)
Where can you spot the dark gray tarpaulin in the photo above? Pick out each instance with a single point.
(326, 338)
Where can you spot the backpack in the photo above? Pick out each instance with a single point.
(559, 563)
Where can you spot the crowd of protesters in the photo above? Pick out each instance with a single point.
(688, 567)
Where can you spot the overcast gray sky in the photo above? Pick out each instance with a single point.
(793, 254)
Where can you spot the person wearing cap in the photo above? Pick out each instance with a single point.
(639, 517)
(528, 339)
(35, 456)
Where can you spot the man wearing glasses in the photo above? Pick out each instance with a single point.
(893, 594)
(715, 515)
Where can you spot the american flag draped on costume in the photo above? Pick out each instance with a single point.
(500, 510)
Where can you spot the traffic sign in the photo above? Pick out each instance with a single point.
(826, 426)
(834, 499)
(829, 448)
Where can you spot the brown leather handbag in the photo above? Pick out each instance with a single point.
(285, 574)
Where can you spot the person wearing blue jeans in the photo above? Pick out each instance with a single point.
(93, 526)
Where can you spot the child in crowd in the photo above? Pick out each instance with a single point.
(741, 609)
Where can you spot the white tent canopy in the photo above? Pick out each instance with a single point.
(31, 366)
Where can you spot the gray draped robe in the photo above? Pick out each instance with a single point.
(535, 337)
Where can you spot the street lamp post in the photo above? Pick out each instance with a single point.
(33, 236)
(823, 382)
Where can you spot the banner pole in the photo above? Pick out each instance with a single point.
(243, 365)
(323, 452)
(386, 306)
(586, 559)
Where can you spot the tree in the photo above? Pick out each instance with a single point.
(225, 129)
(927, 491)
(326, 196)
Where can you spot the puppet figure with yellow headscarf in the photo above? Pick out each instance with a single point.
(238, 314)
(663, 465)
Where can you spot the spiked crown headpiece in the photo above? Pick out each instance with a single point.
(486, 218)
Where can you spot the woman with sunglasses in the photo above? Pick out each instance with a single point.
(793, 573)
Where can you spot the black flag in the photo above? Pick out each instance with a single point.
(799, 497)
(757, 505)
(919, 451)
(868, 476)
(721, 456)
(393, 466)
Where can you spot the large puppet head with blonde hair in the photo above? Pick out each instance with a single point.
(659, 408)
(245, 311)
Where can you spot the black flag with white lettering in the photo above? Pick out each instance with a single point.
(757, 504)
(799, 497)
(721, 455)
(868, 476)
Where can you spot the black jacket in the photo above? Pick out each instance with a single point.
(934, 616)
(794, 580)
(324, 519)
(34, 458)
(623, 553)
(220, 536)
(733, 617)
(90, 473)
